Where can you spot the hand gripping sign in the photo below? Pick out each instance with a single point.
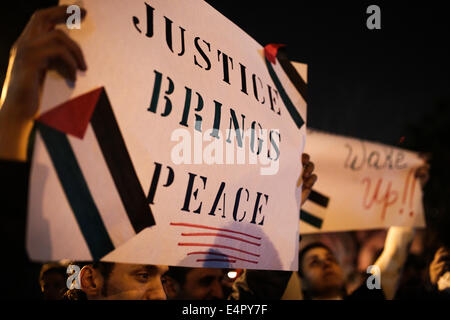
(181, 144)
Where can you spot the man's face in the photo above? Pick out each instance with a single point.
(135, 282)
(322, 276)
(203, 284)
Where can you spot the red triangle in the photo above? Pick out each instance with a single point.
(73, 116)
(271, 50)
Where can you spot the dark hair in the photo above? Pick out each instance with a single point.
(178, 274)
(303, 252)
(105, 269)
(48, 268)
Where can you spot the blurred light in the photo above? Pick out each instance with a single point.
(232, 274)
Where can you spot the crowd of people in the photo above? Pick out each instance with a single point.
(410, 263)
(325, 273)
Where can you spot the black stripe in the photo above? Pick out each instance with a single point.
(77, 192)
(119, 163)
(311, 219)
(292, 73)
(318, 198)
(284, 96)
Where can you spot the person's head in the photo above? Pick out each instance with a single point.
(121, 281)
(52, 280)
(322, 277)
(194, 283)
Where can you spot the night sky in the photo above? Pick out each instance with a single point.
(371, 84)
(365, 83)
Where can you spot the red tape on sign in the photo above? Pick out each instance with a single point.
(271, 50)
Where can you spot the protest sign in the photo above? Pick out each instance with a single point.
(361, 185)
(180, 145)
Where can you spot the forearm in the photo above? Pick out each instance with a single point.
(393, 258)
(14, 134)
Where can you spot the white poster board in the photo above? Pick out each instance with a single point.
(166, 80)
(361, 185)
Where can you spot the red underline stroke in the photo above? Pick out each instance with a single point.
(213, 228)
(220, 235)
(216, 260)
(216, 246)
(221, 254)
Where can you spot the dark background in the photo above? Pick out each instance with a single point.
(365, 83)
(371, 84)
(389, 85)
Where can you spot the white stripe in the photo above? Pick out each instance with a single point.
(315, 209)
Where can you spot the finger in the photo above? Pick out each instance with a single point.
(74, 48)
(309, 183)
(436, 266)
(57, 38)
(439, 251)
(305, 195)
(436, 272)
(307, 186)
(441, 267)
(309, 168)
(45, 19)
(444, 257)
(57, 15)
(305, 159)
(60, 59)
(422, 172)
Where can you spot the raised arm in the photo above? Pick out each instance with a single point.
(39, 48)
(396, 248)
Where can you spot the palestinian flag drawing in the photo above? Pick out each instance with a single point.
(319, 203)
(103, 204)
(273, 53)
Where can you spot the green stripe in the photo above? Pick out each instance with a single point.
(77, 192)
(310, 219)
